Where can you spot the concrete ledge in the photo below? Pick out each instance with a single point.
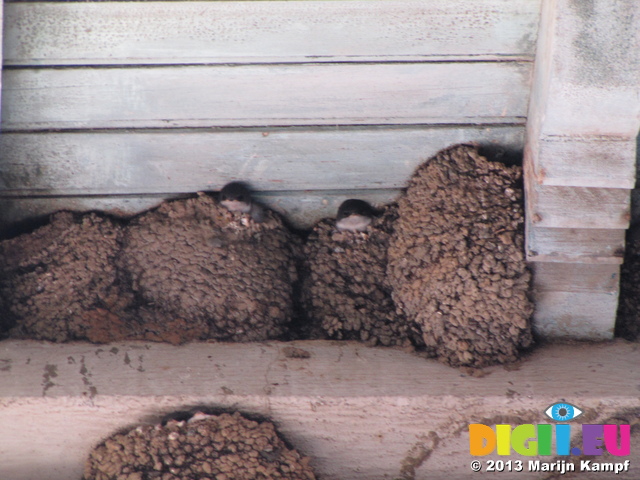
(360, 413)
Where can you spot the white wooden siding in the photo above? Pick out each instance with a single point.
(580, 160)
(101, 163)
(268, 31)
(135, 99)
(204, 96)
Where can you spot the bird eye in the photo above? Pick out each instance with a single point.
(563, 412)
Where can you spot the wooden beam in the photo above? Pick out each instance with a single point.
(178, 161)
(575, 245)
(266, 95)
(577, 207)
(360, 413)
(584, 113)
(111, 33)
(579, 160)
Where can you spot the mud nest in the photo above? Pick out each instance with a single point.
(57, 280)
(456, 259)
(628, 320)
(205, 447)
(231, 278)
(345, 294)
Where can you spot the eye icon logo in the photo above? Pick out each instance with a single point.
(563, 412)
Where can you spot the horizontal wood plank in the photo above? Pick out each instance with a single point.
(178, 161)
(587, 161)
(575, 315)
(575, 245)
(110, 33)
(360, 413)
(578, 278)
(576, 207)
(261, 95)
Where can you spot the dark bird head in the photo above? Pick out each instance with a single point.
(354, 215)
(236, 197)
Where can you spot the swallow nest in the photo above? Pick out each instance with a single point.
(56, 279)
(456, 260)
(189, 270)
(205, 447)
(223, 272)
(344, 290)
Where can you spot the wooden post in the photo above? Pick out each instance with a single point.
(580, 161)
(1, 23)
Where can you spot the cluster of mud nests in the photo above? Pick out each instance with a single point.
(203, 447)
(189, 270)
(442, 270)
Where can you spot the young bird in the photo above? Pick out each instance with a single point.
(354, 215)
(236, 197)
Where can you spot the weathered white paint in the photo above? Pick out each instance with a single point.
(580, 157)
(575, 245)
(575, 300)
(577, 207)
(585, 101)
(262, 95)
(177, 161)
(275, 31)
(565, 315)
(360, 413)
(587, 161)
(578, 278)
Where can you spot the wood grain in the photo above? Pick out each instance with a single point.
(111, 33)
(586, 161)
(577, 207)
(178, 161)
(578, 278)
(360, 413)
(260, 95)
(575, 245)
(575, 315)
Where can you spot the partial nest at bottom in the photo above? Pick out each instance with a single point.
(203, 447)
